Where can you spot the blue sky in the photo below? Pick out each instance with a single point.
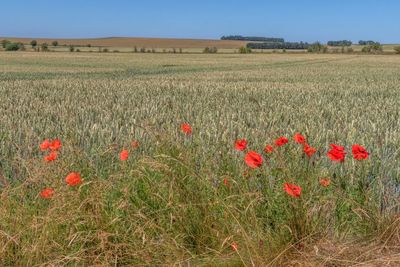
(301, 20)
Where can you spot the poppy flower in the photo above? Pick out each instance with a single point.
(298, 138)
(186, 128)
(281, 141)
(47, 193)
(309, 150)
(45, 145)
(292, 190)
(241, 145)
(234, 246)
(134, 144)
(337, 153)
(268, 149)
(55, 144)
(73, 179)
(50, 157)
(325, 182)
(124, 155)
(226, 182)
(253, 159)
(359, 152)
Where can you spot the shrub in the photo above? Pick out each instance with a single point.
(211, 50)
(71, 48)
(143, 50)
(44, 47)
(4, 43)
(54, 43)
(244, 50)
(13, 46)
(105, 50)
(89, 45)
(317, 48)
(78, 50)
(375, 48)
(397, 49)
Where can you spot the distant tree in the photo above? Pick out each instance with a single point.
(361, 42)
(253, 38)
(340, 43)
(317, 48)
(54, 43)
(71, 48)
(44, 47)
(397, 49)
(78, 50)
(4, 43)
(143, 50)
(174, 50)
(105, 50)
(275, 45)
(180, 50)
(375, 48)
(89, 45)
(135, 50)
(33, 43)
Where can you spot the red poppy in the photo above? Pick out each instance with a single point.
(241, 144)
(47, 193)
(292, 190)
(325, 182)
(124, 155)
(134, 144)
(234, 246)
(253, 159)
(337, 153)
(309, 150)
(281, 141)
(55, 144)
(50, 157)
(186, 128)
(298, 138)
(269, 149)
(226, 182)
(45, 145)
(73, 179)
(359, 152)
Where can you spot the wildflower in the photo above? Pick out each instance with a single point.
(47, 193)
(241, 145)
(50, 157)
(359, 152)
(45, 145)
(124, 155)
(325, 182)
(298, 138)
(268, 149)
(73, 179)
(337, 153)
(186, 128)
(253, 159)
(309, 150)
(281, 141)
(226, 182)
(292, 190)
(55, 144)
(234, 246)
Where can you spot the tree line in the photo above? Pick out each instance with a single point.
(253, 38)
(283, 45)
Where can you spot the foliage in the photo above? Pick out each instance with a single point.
(372, 49)
(4, 43)
(71, 48)
(340, 43)
(244, 50)
(317, 48)
(14, 46)
(255, 39)
(397, 49)
(33, 43)
(55, 43)
(44, 47)
(211, 50)
(283, 45)
(361, 42)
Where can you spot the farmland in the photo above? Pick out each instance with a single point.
(190, 199)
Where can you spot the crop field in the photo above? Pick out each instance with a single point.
(146, 192)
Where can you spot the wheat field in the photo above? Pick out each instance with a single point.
(190, 200)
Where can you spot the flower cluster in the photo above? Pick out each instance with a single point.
(53, 147)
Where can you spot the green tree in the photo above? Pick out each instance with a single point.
(44, 47)
(71, 48)
(33, 43)
(244, 50)
(54, 43)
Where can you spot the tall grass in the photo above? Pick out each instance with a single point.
(168, 203)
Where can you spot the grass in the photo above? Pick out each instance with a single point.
(168, 204)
